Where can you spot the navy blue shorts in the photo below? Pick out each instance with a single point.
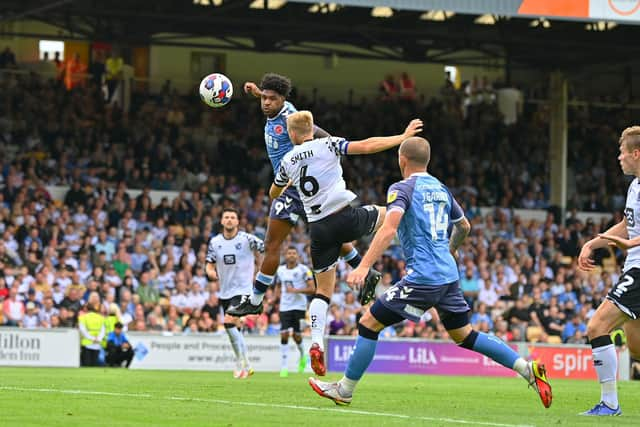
(288, 207)
(410, 301)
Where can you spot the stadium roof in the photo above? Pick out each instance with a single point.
(413, 30)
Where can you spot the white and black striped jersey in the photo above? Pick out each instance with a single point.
(235, 262)
(293, 278)
(632, 215)
(315, 170)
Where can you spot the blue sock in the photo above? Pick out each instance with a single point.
(260, 286)
(353, 258)
(362, 354)
(262, 283)
(492, 347)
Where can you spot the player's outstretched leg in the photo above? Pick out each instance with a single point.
(330, 391)
(533, 372)
(277, 231)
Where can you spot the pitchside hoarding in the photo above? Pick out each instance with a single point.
(208, 352)
(39, 347)
(418, 357)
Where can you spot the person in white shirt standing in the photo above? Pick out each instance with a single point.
(621, 308)
(296, 282)
(313, 168)
(231, 258)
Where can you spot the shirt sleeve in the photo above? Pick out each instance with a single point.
(456, 213)
(211, 252)
(308, 275)
(281, 178)
(255, 243)
(398, 198)
(338, 146)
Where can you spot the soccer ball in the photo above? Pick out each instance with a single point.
(216, 90)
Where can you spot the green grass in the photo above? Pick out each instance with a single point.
(56, 397)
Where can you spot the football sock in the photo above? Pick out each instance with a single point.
(347, 386)
(318, 315)
(361, 357)
(243, 351)
(521, 366)
(234, 333)
(260, 286)
(284, 351)
(606, 365)
(353, 258)
(298, 341)
(492, 347)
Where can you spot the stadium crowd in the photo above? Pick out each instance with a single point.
(145, 261)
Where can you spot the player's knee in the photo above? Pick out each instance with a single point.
(297, 337)
(469, 341)
(367, 332)
(452, 321)
(229, 325)
(284, 339)
(594, 330)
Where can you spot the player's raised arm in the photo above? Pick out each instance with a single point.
(252, 89)
(380, 143)
(318, 132)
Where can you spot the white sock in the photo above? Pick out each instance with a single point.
(521, 366)
(256, 299)
(243, 352)
(300, 348)
(606, 364)
(284, 351)
(318, 314)
(233, 334)
(347, 385)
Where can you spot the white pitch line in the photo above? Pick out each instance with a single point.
(263, 405)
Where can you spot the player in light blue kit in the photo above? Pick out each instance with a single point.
(287, 208)
(420, 208)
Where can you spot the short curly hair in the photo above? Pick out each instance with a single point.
(277, 83)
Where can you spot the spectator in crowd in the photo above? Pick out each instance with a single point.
(389, 88)
(7, 59)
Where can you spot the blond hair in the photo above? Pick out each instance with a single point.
(631, 138)
(301, 122)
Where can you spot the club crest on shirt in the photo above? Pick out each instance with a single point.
(393, 195)
(238, 246)
(628, 213)
(278, 129)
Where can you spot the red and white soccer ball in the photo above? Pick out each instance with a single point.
(216, 90)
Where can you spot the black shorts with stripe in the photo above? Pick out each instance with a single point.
(329, 233)
(291, 319)
(625, 294)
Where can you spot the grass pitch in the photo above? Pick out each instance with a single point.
(119, 397)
